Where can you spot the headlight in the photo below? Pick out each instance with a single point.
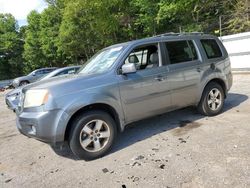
(12, 97)
(34, 98)
(15, 81)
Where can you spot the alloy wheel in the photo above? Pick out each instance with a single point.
(214, 99)
(94, 135)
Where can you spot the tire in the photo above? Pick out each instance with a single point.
(62, 150)
(23, 83)
(212, 100)
(96, 130)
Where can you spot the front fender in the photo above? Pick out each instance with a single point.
(80, 101)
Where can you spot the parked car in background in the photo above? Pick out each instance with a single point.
(32, 77)
(61, 71)
(12, 98)
(5, 83)
(125, 83)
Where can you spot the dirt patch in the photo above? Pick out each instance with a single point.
(185, 126)
(7, 136)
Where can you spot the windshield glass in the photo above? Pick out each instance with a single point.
(46, 76)
(102, 61)
(30, 74)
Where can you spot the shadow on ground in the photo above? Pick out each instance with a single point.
(233, 100)
(185, 119)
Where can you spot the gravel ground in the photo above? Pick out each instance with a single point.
(177, 149)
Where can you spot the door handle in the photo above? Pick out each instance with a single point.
(160, 78)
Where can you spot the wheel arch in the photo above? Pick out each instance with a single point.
(96, 106)
(219, 81)
(24, 81)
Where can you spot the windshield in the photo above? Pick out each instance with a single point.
(102, 61)
(46, 76)
(30, 74)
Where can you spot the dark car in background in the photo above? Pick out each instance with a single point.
(32, 77)
(12, 98)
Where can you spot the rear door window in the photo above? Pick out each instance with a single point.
(181, 51)
(211, 48)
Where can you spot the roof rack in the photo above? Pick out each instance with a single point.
(192, 33)
(167, 34)
(179, 34)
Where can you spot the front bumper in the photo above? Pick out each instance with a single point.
(43, 126)
(12, 102)
(15, 84)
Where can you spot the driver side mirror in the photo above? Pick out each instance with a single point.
(128, 68)
(33, 74)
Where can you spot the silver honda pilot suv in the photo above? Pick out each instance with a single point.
(124, 83)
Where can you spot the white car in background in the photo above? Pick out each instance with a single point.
(12, 98)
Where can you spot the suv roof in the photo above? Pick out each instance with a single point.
(165, 36)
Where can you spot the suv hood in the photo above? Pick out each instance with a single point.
(21, 78)
(68, 84)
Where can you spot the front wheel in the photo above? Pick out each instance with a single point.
(212, 100)
(92, 135)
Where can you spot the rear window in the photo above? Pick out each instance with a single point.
(181, 51)
(211, 48)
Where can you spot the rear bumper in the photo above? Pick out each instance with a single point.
(43, 126)
(230, 80)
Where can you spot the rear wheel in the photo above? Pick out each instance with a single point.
(92, 135)
(212, 100)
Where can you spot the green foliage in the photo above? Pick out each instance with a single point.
(33, 53)
(87, 27)
(71, 31)
(145, 14)
(11, 48)
(49, 30)
(240, 17)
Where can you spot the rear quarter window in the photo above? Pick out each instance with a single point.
(211, 48)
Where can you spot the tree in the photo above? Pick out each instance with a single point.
(239, 20)
(49, 30)
(33, 53)
(86, 27)
(143, 15)
(71, 31)
(11, 47)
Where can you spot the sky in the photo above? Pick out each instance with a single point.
(21, 8)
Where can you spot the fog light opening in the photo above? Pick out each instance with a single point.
(33, 130)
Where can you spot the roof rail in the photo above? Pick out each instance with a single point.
(192, 33)
(167, 34)
(179, 34)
